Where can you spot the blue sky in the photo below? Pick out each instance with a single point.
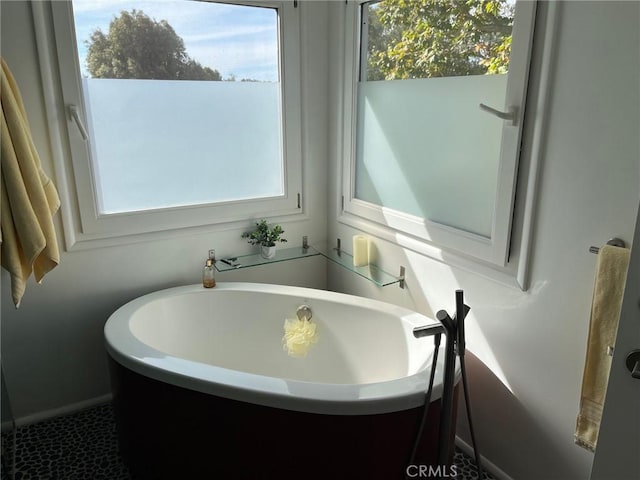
(235, 40)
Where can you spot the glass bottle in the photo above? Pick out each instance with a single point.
(209, 274)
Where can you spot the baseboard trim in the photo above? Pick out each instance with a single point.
(487, 465)
(57, 412)
(6, 426)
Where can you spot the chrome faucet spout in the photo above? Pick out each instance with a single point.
(304, 313)
(427, 330)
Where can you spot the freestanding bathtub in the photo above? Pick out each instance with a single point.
(203, 388)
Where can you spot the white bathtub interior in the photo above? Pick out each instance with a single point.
(242, 331)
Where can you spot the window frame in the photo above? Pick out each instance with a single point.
(429, 237)
(84, 227)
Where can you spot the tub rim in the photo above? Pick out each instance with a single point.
(322, 398)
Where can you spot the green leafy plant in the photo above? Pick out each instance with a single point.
(264, 235)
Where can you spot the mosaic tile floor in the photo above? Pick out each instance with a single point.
(83, 446)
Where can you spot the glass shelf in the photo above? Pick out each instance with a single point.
(370, 272)
(282, 255)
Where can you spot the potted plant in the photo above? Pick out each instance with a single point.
(266, 237)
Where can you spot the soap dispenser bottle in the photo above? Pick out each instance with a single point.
(209, 274)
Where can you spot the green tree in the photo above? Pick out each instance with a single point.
(438, 38)
(137, 46)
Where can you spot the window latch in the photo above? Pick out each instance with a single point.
(75, 116)
(511, 115)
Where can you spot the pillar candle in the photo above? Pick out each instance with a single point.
(360, 251)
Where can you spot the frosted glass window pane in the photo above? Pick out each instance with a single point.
(425, 148)
(171, 143)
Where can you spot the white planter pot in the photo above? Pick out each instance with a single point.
(267, 252)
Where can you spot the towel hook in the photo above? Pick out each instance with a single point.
(615, 242)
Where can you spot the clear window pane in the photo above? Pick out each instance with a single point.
(436, 38)
(183, 102)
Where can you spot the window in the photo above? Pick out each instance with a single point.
(179, 113)
(435, 95)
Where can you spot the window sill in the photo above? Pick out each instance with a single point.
(510, 275)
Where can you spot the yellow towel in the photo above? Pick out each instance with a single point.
(611, 274)
(28, 197)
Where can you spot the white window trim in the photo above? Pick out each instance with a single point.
(83, 227)
(506, 258)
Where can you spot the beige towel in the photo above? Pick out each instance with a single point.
(28, 198)
(611, 274)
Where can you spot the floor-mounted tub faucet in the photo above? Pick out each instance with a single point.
(453, 328)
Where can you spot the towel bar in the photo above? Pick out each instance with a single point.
(615, 241)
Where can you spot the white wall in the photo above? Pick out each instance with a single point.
(526, 349)
(52, 347)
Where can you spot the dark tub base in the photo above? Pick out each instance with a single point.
(168, 432)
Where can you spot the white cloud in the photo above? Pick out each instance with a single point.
(227, 32)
